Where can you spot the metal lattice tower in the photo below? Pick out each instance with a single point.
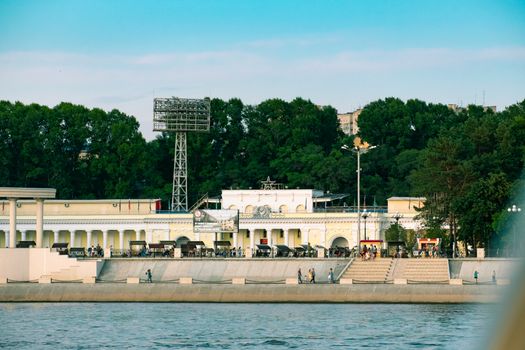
(180, 115)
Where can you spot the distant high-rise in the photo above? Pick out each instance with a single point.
(348, 121)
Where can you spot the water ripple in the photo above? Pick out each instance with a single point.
(238, 326)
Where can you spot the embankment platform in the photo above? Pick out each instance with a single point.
(250, 293)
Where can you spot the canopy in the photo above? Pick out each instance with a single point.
(195, 243)
(263, 246)
(141, 243)
(173, 243)
(222, 243)
(60, 245)
(283, 247)
(25, 244)
(156, 245)
(77, 249)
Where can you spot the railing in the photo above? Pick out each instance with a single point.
(351, 209)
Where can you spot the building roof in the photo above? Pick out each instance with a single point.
(406, 199)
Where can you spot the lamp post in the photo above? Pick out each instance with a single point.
(365, 215)
(514, 210)
(358, 150)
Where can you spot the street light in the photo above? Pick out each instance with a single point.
(365, 215)
(514, 209)
(358, 150)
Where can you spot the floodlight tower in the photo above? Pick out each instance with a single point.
(181, 115)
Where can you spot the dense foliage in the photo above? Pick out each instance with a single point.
(465, 162)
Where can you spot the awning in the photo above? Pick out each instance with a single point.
(141, 243)
(263, 247)
(60, 245)
(195, 243)
(25, 244)
(282, 248)
(77, 249)
(156, 245)
(173, 243)
(222, 243)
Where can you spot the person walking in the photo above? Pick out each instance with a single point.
(299, 276)
(476, 275)
(331, 276)
(148, 274)
(494, 276)
(313, 275)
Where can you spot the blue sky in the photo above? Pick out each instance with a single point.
(122, 54)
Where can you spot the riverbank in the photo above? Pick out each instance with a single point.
(252, 293)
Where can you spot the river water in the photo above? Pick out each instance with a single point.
(236, 326)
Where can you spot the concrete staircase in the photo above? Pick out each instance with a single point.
(421, 270)
(64, 268)
(369, 271)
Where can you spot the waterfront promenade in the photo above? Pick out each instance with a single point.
(250, 293)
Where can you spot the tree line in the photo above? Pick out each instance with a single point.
(465, 162)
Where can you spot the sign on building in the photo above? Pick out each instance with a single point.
(208, 220)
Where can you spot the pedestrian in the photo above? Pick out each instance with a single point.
(148, 274)
(313, 275)
(299, 276)
(476, 275)
(309, 276)
(331, 276)
(494, 276)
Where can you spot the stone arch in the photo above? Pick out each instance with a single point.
(340, 242)
(248, 209)
(182, 240)
(300, 208)
(232, 207)
(283, 209)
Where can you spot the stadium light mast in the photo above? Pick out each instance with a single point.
(181, 115)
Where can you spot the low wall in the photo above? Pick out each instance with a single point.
(27, 264)
(165, 292)
(464, 268)
(215, 270)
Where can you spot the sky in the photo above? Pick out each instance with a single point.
(123, 54)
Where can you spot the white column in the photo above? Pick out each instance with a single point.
(137, 235)
(121, 239)
(235, 240)
(269, 236)
(24, 235)
(105, 239)
(304, 235)
(88, 238)
(71, 238)
(149, 236)
(286, 237)
(197, 236)
(323, 238)
(252, 239)
(6, 235)
(55, 236)
(39, 222)
(12, 222)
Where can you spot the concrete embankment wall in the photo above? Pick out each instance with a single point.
(464, 268)
(27, 264)
(164, 292)
(215, 270)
